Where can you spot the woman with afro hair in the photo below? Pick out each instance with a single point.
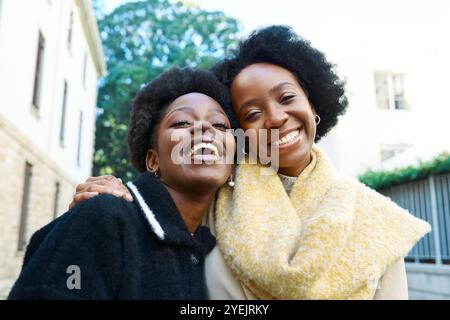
(154, 247)
(305, 232)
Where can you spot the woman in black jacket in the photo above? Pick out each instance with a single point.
(154, 247)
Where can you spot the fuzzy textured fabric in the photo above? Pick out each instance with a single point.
(138, 250)
(330, 238)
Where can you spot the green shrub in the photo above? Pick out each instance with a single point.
(382, 179)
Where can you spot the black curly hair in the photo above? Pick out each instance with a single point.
(281, 46)
(153, 99)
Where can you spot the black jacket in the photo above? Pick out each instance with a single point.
(123, 251)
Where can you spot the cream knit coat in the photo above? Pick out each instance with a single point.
(330, 238)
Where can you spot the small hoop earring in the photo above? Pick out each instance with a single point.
(317, 117)
(230, 181)
(155, 172)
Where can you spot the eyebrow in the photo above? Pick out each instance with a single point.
(274, 88)
(278, 86)
(178, 109)
(190, 109)
(217, 111)
(247, 104)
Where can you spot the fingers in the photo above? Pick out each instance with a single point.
(117, 186)
(105, 177)
(104, 189)
(79, 197)
(106, 184)
(112, 183)
(86, 191)
(107, 180)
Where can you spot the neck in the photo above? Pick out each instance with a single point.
(192, 208)
(297, 170)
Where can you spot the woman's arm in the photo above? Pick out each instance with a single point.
(100, 185)
(80, 257)
(393, 285)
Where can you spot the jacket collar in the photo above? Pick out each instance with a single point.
(163, 217)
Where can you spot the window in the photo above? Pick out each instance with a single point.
(69, 34)
(399, 95)
(389, 151)
(389, 91)
(56, 199)
(25, 205)
(63, 115)
(84, 69)
(80, 130)
(38, 71)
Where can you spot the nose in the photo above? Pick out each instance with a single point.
(204, 129)
(202, 125)
(275, 118)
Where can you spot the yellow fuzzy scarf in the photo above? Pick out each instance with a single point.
(331, 238)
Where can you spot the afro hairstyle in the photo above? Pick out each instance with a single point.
(281, 46)
(152, 101)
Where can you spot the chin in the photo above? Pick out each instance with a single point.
(208, 176)
(294, 159)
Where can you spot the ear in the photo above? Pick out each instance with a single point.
(313, 109)
(151, 161)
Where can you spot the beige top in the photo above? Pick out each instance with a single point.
(222, 285)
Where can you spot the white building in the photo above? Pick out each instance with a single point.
(50, 60)
(397, 75)
(397, 83)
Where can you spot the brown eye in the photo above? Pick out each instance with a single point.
(251, 115)
(181, 123)
(221, 125)
(287, 98)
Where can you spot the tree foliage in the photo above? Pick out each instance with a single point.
(141, 40)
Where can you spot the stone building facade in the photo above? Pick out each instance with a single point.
(49, 69)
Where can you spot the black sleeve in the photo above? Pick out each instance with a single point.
(38, 237)
(87, 239)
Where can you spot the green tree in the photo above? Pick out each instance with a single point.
(141, 40)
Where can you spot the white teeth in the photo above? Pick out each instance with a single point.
(204, 145)
(287, 138)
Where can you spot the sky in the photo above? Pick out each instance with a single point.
(307, 14)
(333, 25)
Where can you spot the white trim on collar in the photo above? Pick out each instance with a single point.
(154, 224)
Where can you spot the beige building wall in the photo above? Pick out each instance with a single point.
(32, 135)
(15, 151)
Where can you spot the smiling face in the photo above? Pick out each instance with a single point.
(267, 96)
(187, 113)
